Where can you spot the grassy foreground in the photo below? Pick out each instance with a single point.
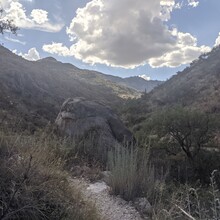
(133, 175)
(33, 182)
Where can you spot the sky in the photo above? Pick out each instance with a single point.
(152, 39)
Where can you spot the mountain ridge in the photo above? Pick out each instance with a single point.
(39, 88)
(197, 87)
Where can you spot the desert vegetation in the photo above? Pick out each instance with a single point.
(175, 165)
(33, 182)
(179, 177)
(173, 160)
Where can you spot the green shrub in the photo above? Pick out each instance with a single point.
(183, 140)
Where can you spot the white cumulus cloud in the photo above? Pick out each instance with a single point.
(31, 55)
(217, 41)
(124, 33)
(193, 3)
(57, 48)
(128, 34)
(186, 50)
(38, 18)
(145, 77)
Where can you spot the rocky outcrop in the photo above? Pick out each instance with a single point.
(93, 124)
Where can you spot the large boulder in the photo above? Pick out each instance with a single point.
(93, 124)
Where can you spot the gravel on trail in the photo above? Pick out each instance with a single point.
(108, 206)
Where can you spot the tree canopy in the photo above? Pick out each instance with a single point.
(6, 25)
(190, 130)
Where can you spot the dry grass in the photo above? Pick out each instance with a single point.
(123, 167)
(186, 202)
(33, 183)
(132, 175)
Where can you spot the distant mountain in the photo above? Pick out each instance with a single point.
(136, 82)
(37, 89)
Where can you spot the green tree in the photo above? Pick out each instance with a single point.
(190, 130)
(6, 25)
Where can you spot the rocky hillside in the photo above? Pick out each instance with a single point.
(36, 90)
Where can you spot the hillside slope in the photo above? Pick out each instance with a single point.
(135, 82)
(196, 87)
(37, 89)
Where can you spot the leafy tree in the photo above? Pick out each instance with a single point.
(190, 130)
(6, 25)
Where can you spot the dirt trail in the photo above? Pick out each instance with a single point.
(109, 207)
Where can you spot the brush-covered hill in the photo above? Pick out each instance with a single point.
(36, 90)
(196, 87)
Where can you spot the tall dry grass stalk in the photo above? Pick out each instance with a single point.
(132, 175)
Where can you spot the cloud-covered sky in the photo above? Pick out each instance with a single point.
(149, 38)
